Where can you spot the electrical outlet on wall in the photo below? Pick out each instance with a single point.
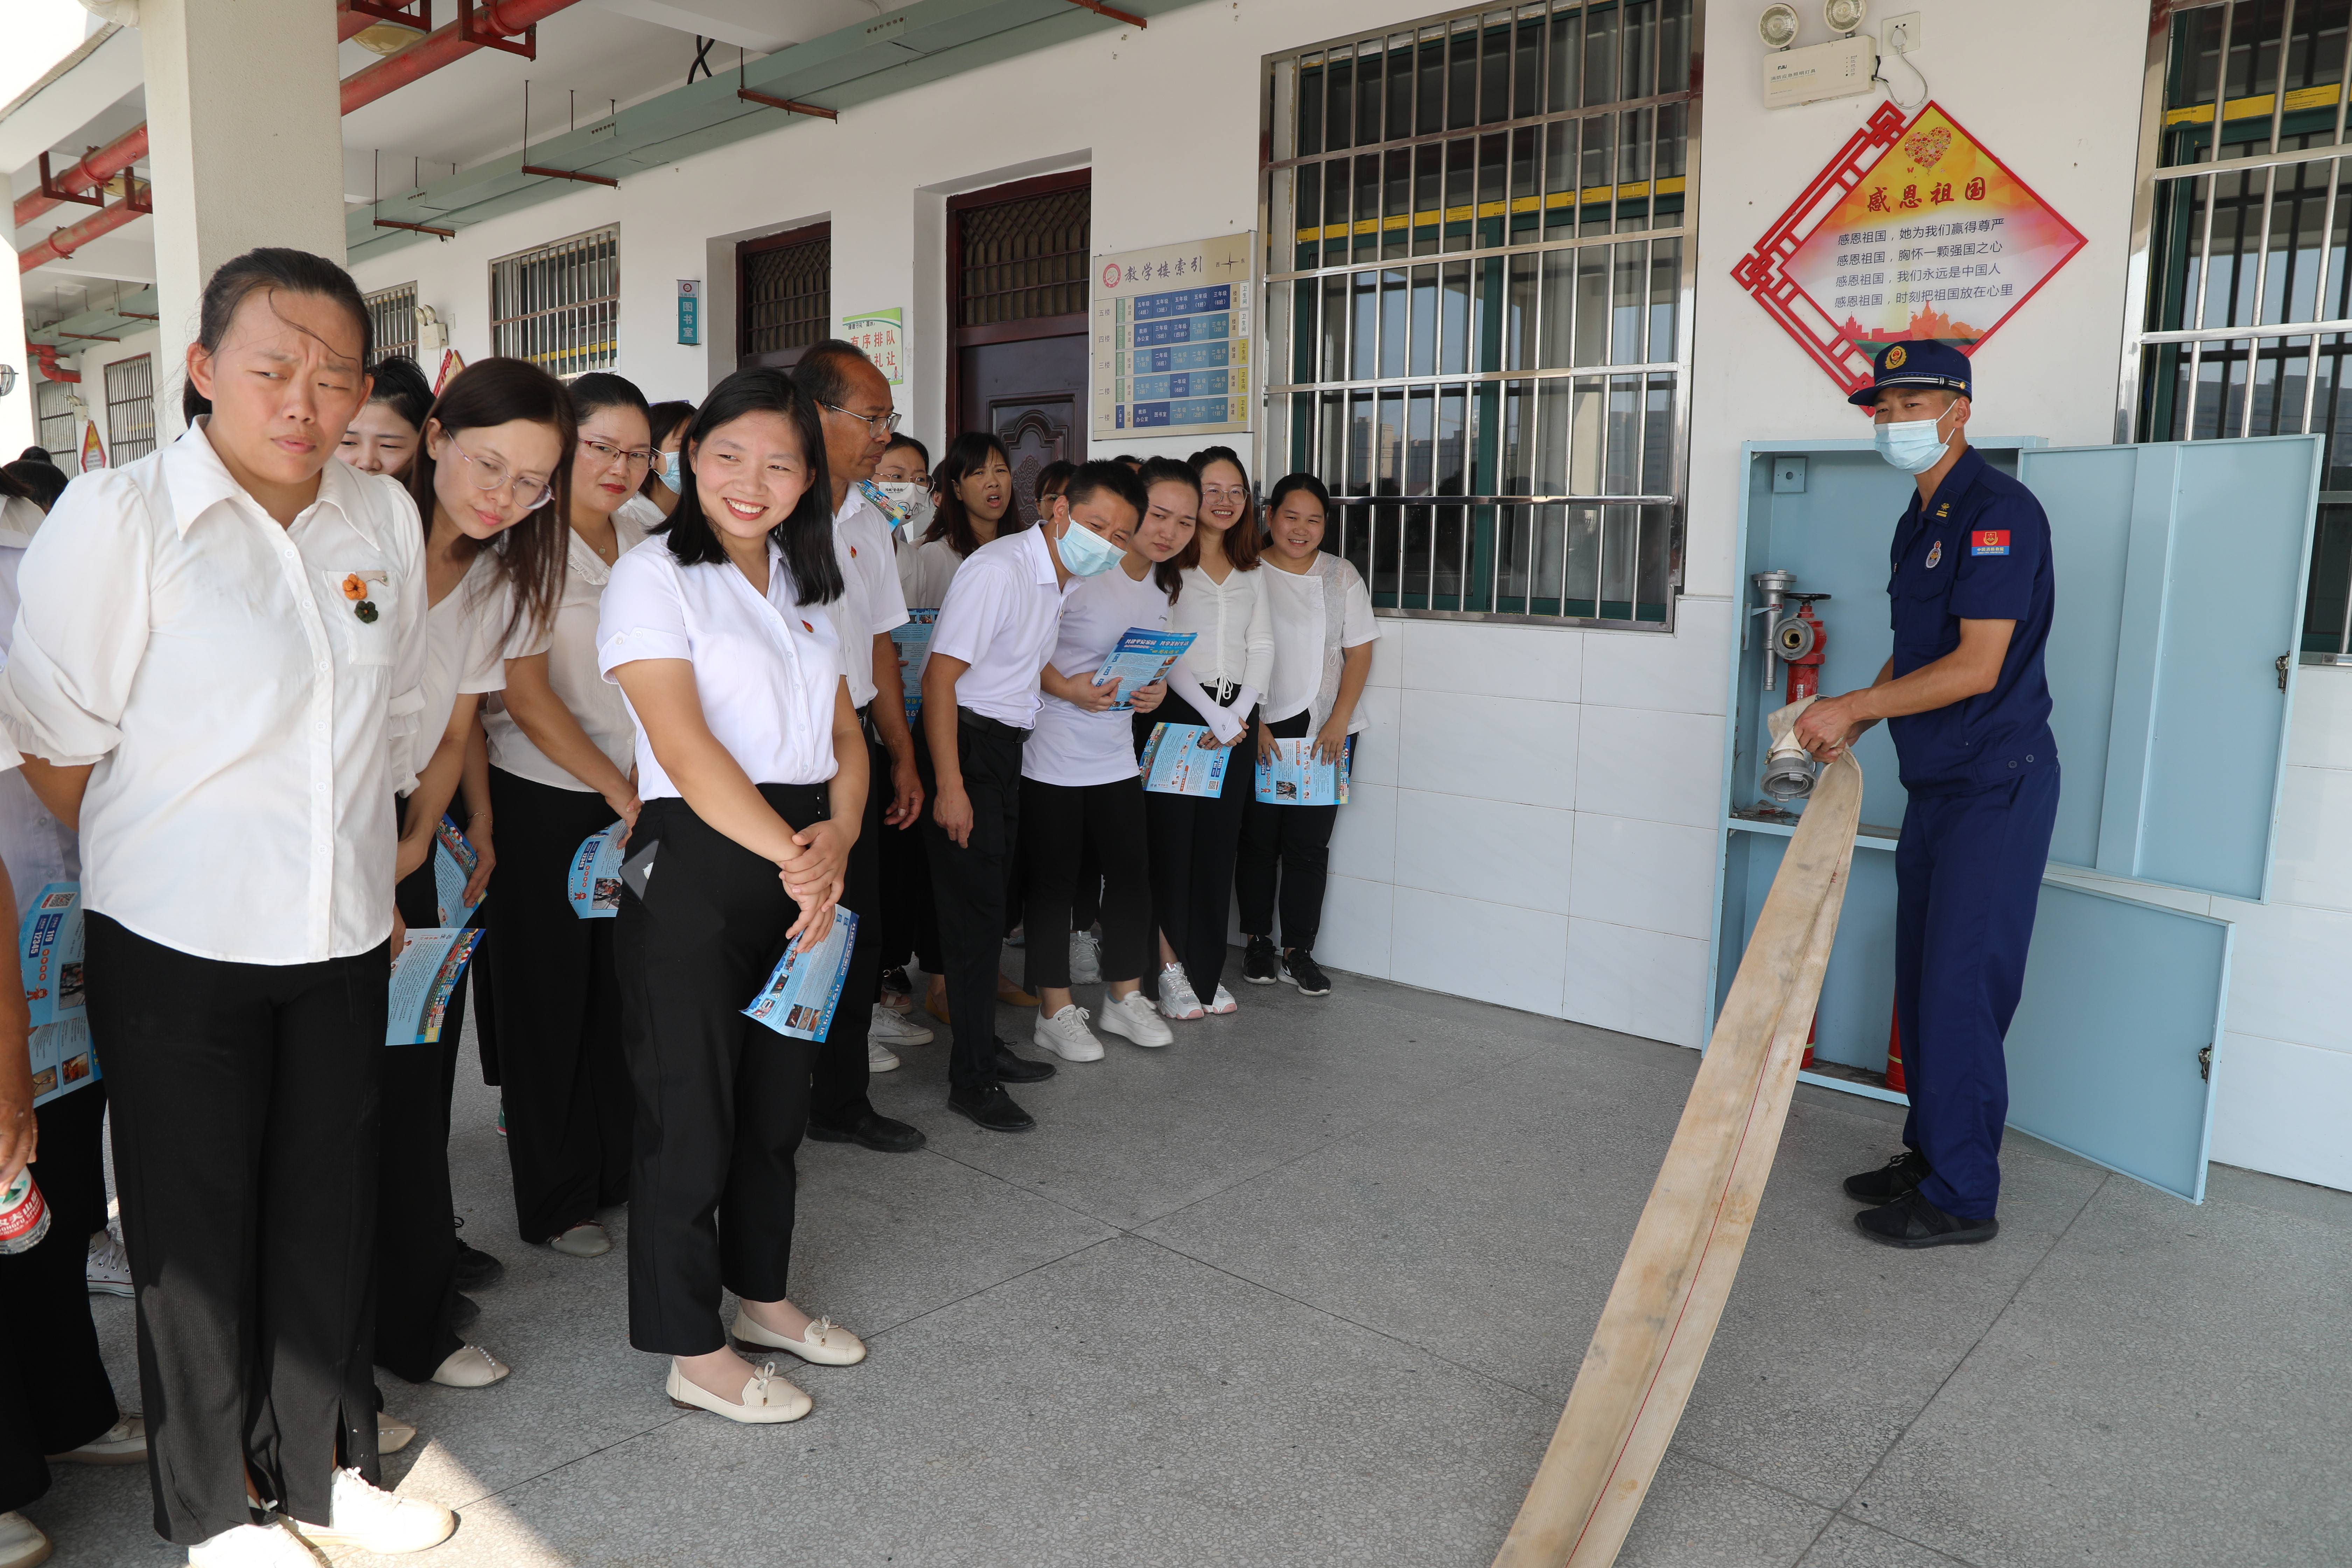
(1901, 33)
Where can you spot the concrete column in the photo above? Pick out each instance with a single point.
(245, 147)
(16, 417)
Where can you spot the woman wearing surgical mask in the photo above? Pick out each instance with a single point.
(383, 437)
(903, 479)
(664, 479)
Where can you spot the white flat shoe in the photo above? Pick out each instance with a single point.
(393, 1434)
(22, 1544)
(1134, 1016)
(374, 1519)
(124, 1443)
(1066, 1036)
(767, 1399)
(827, 1343)
(586, 1239)
(271, 1545)
(470, 1366)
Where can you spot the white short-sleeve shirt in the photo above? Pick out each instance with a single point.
(925, 569)
(765, 667)
(571, 672)
(464, 649)
(246, 720)
(1300, 636)
(1070, 747)
(871, 601)
(998, 617)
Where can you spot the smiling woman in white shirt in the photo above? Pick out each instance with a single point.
(561, 753)
(385, 436)
(1217, 683)
(225, 724)
(753, 773)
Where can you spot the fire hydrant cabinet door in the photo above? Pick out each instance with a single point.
(2181, 570)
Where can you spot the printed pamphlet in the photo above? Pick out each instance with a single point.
(1140, 658)
(1293, 776)
(453, 865)
(422, 978)
(805, 985)
(913, 642)
(48, 946)
(62, 1060)
(595, 883)
(1183, 759)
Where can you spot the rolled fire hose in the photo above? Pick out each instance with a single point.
(1670, 1292)
(1788, 769)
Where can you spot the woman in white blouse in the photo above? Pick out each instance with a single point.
(561, 753)
(1323, 632)
(385, 436)
(1222, 603)
(222, 720)
(752, 768)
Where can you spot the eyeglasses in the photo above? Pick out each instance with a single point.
(1225, 492)
(880, 427)
(634, 458)
(487, 474)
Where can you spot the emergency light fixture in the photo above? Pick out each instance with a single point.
(1844, 15)
(1778, 27)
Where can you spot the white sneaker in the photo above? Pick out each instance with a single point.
(374, 1519)
(1086, 958)
(1177, 997)
(22, 1544)
(880, 1058)
(253, 1546)
(1223, 1002)
(108, 1270)
(1134, 1016)
(1066, 1036)
(124, 1443)
(897, 1029)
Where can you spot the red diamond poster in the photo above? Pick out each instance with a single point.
(1914, 231)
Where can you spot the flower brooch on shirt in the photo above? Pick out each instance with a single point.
(355, 589)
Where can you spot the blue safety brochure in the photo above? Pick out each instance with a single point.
(1140, 658)
(422, 978)
(594, 885)
(805, 985)
(48, 947)
(913, 643)
(62, 1060)
(1183, 759)
(1291, 776)
(453, 866)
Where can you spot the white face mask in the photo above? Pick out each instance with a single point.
(906, 503)
(1087, 553)
(670, 471)
(1913, 446)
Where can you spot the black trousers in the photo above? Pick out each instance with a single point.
(909, 931)
(415, 1243)
(54, 1393)
(969, 885)
(555, 992)
(837, 1094)
(1192, 842)
(1085, 898)
(721, 1102)
(72, 1166)
(1283, 846)
(1059, 824)
(245, 1101)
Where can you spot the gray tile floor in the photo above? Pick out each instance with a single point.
(1310, 1287)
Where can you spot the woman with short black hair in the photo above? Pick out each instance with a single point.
(383, 437)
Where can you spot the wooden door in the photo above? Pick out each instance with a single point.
(1017, 293)
(1033, 395)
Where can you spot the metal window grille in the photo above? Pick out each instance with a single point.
(57, 432)
(787, 293)
(394, 313)
(1025, 259)
(130, 408)
(558, 305)
(2241, 322)
(1480, 261)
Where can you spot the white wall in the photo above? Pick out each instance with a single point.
(1534, 816)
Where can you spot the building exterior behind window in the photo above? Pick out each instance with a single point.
(2240, 319)
(558, 305)
(1479, 265)
(394, 313)
(130, 409)
(56, 424)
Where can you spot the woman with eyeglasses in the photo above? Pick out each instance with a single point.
(490, 483)
(563, 767)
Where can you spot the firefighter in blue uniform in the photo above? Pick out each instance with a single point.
(1968, 704)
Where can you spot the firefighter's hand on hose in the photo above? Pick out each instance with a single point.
(1830, 725)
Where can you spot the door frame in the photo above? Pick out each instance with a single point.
(961, 337)
(778, 358)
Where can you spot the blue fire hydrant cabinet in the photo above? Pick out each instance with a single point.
(2180, 576)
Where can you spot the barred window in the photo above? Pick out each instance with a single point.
(1480, 258)
(58, 424)
(558, 305)
(1021, 260)
(130, 408)
(2246, 325)
(787, 292)
(394, 313)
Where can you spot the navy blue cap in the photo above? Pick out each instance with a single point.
(1917, 364)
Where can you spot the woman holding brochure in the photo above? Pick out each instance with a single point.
(491, 479)
(1323, 632)
(188, 663)
(752, 768)
(1078, 783)
(561, 751)
(1216, 685)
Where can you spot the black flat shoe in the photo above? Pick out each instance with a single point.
(993, 1109)
(1011, 1068)
(1259, 966)
(1912, 1221)
(876, 1132)
(476, 1268)
(1899, 1175)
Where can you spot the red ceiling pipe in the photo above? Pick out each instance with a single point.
(461, 38)
(46, 356)
(64, 242)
